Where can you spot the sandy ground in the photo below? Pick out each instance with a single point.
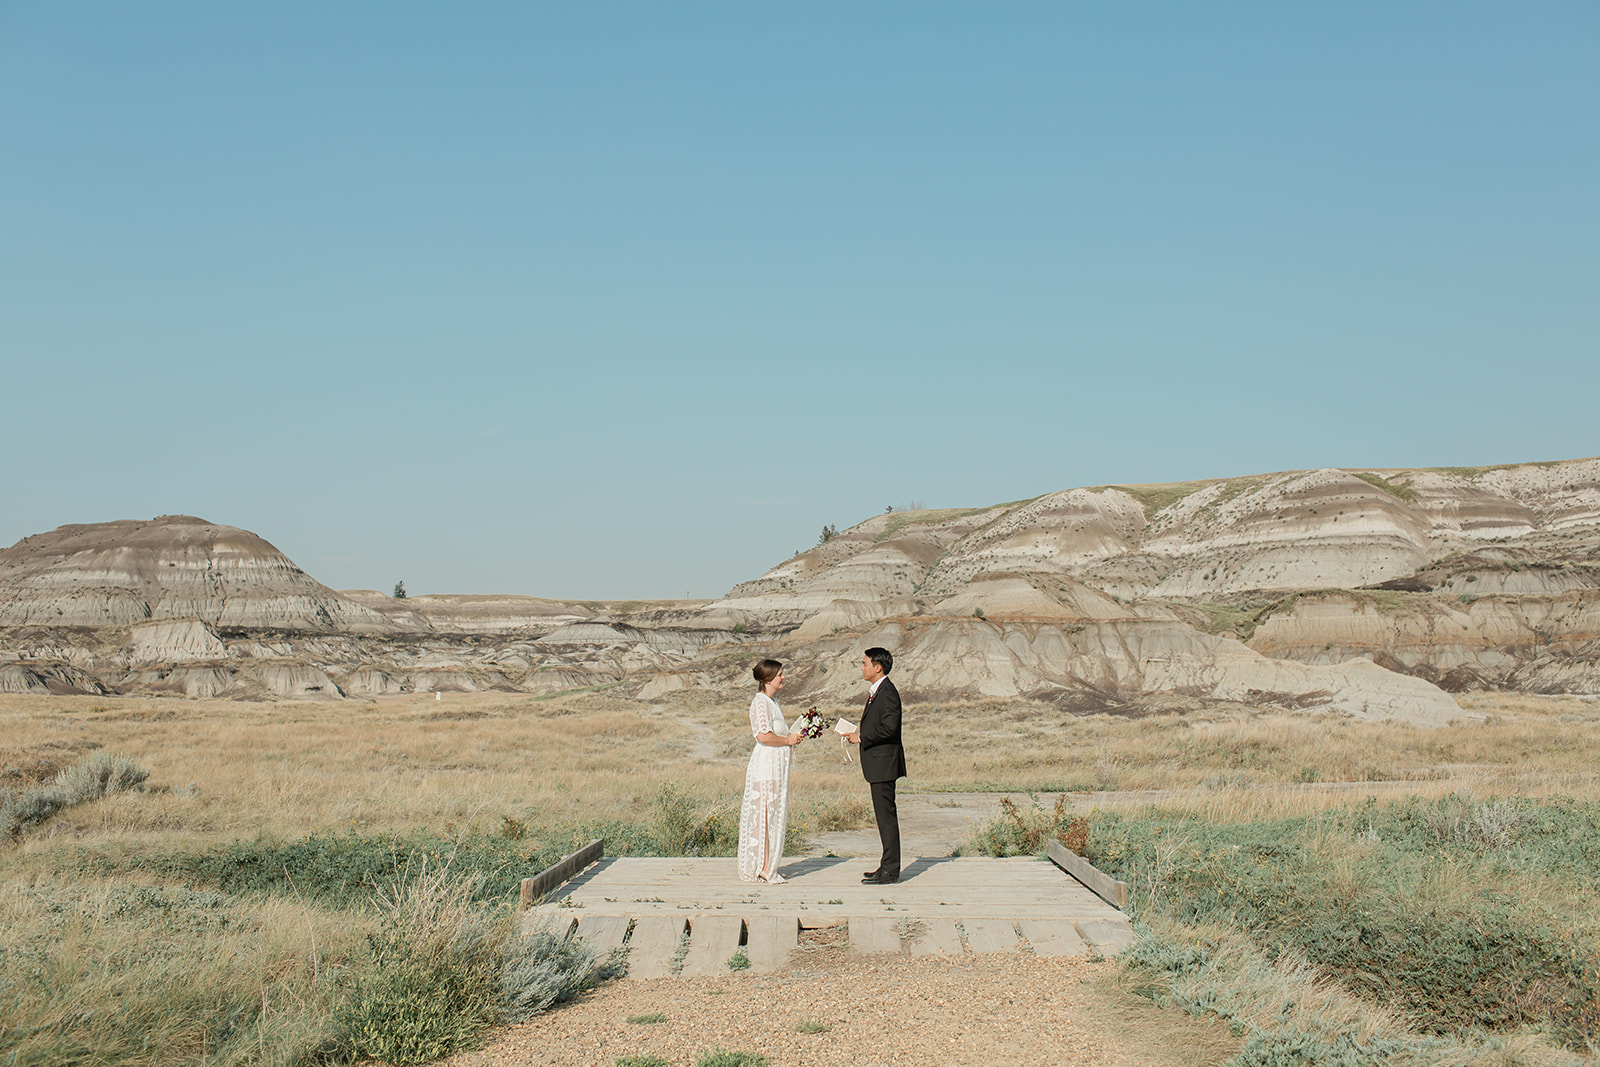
(866, 1010)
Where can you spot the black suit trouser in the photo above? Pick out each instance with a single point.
(888, 816)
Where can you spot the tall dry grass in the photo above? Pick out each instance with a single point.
(1530, 744)
(133, 973)
(230, 769)
(195, 971)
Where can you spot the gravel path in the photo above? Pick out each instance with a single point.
(1008, 1008)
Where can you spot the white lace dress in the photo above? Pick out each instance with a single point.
(765, 811)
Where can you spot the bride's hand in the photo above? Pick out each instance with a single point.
(796, 738)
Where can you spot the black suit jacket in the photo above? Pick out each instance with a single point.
(883, 759)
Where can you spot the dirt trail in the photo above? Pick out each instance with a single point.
(701, 748)
(866, 1010)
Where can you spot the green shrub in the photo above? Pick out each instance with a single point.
(1427, 933)
(1027, 831)
(688, 825)
(428, 984)
(97, 776)
(143, 975)
(1297, 1048)
(443, 968)
(345, 869)
(541, 970)
(411, 1003)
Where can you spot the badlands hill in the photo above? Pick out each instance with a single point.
(1367, 592)
(178, 604)
(172, 567)
(1360, 590)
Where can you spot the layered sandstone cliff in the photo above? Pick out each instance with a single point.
(1143, 591)
(1366, 592)
(171, 567)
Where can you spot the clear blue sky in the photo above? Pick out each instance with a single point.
(613, 300)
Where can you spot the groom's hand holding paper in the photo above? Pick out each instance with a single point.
(847, 733)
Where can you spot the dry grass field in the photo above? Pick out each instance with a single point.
(226, 769)
(138, 950)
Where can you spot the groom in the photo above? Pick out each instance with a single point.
(882, 758)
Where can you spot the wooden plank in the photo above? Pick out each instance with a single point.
(875, 935)
(1102, 885)
(990, 935)
(1053, 937)
(558, 872)
(713, 939)
(818, 917)
(1106, 937)
(935, 937)
(603, 933)
(769, 939)
(957, 888)
(559, 923)
(653, 945)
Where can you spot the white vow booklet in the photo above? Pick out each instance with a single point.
(844, 726)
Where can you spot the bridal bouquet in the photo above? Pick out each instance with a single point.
(810, 724)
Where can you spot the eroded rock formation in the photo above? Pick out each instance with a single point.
(1119, 594)
(172, 567)
(1367, 592)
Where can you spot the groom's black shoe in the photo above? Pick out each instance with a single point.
(880, 878)
(872, 874)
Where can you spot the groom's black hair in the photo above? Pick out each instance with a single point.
(882, 657)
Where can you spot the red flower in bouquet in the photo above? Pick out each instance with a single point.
(811, 724)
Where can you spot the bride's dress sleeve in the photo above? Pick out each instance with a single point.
(760, 716)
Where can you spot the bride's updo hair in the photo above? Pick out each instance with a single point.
(766, 671)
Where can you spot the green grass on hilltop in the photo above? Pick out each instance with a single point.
(1156, 498)
(1400, 492)
(901, 519)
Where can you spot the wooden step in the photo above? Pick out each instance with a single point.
(935, 937)
(1053, 937)
(990, 935)
(713, 939)
(653, 946)
(603, 933)
(1107, 938)
(875, 935)
(769, 939)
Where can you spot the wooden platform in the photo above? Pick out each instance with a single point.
(691, 916)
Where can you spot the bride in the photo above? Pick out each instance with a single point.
(765, 810)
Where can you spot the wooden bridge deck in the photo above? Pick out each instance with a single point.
(690, 916)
